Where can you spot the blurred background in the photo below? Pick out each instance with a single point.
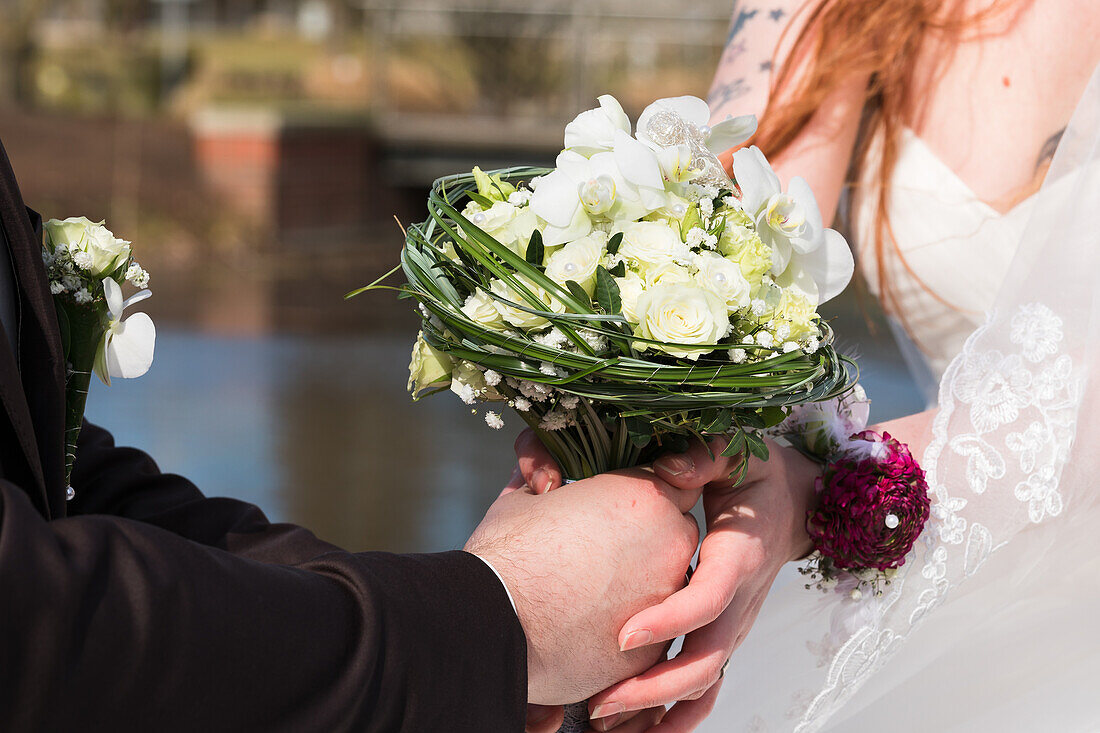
(257, 153)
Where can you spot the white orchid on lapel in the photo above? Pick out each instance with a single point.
(127, 348)
(805, 254)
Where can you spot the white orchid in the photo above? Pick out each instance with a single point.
(127, 348)
(804, 253)
(624, 184)
(718, 138)
(594, 131)
(675, 162)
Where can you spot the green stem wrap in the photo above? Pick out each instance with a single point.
(82, 331)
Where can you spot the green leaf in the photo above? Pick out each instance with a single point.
(535, 249)
(772, 416)
(736, 444)
(676, 443)
(706, 417)
(639, 431)
(752, 420)
(483, 201)
(691, 220)
(619, 270)
(607, 292)
(491, 185)
(738, 474)
(756, 446)
(577, 291)
(719, 424)
(614, 242)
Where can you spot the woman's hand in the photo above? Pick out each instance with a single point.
(752, 530)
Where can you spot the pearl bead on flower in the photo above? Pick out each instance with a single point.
(679, 209)
(569, 268)
(479, 218)
(892, 521)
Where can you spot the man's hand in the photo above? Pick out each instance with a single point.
(581, 561)
(752, 530)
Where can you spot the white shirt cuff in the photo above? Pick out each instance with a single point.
(501, 579)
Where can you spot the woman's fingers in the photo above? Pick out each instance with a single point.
(515, 482)
(639, 722)
(544, 718)
(698, 466)
(687, 715)
(698, 666)
(618, 722)
(539, 469)
(722, 568)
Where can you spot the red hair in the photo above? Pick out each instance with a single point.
(879, 40)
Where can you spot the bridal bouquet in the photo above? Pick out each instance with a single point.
(87, 266)
(632, 297)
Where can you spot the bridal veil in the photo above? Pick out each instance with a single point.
(993, 623)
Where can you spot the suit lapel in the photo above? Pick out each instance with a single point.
(34, 394)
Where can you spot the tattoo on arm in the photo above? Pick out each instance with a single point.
(726, 88)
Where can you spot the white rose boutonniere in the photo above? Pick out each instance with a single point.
(86, 266)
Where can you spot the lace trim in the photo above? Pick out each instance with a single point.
(1006, 423)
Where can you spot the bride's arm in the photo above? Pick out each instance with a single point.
(758, 44)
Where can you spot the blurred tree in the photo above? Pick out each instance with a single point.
(18, 23)
(516, 56)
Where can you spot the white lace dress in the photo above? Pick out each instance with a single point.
(994, 621)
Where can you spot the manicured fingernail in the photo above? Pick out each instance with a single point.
(607, 723)
(635, 639)
(675, 465)
(611, 710)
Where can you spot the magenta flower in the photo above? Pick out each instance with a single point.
(872, 505)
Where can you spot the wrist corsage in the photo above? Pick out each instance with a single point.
(872, 497)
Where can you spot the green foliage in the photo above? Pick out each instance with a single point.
(577, 291)
(607, 292)
(535, 249)
(634, 402)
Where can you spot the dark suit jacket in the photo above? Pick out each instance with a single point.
(141, 605)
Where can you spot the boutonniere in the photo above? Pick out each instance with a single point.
(87, 267)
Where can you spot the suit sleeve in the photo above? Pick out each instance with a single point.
(120, 623)
(126, 482)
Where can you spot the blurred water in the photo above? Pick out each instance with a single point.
(321, 432)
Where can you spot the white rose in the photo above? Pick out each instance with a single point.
(651, 243)
(510, 225)
(428, 367)
(468, 382)
(521, 318)
(630, 288)
(578, 261)
(723, 278)
(100, 251)
(667, 274)
(679, 316)
(481, 308)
